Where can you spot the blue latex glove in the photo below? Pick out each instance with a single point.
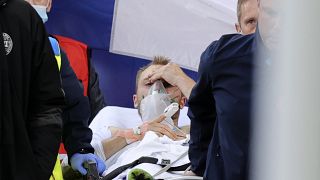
(77, 161)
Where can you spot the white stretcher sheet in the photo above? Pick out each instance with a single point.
(151, 145)
(123, 118)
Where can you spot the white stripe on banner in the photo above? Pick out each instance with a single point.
(178, 29)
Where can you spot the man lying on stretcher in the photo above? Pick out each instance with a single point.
(151, 99)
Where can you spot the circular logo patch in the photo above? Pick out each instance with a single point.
(8, 43)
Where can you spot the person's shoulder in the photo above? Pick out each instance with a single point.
(229, 46)
(21, 12)
(233, 44)
(19, 7)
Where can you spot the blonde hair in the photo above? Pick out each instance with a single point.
(157, 60)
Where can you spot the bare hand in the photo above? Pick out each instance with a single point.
(180, 135)
(171, 73)
(160, 129)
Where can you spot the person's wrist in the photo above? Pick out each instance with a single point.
(130, 135)
(181, 80)
(84, 151)
(136, 130)
(185, 84)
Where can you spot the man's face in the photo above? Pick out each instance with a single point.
(144, 86)
(269, 23)
(46, 3)
(249, 17)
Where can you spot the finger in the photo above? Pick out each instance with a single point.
(180, 134)
(159, 119)
(155, 76)
(82, 170)
(166, 130)
(146, 80)
(156, 126)
(159, 134)
(180, 138)
(170, 135)
(101, 167)
(170, 132)
(159, 128)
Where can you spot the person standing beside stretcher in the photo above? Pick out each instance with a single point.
(31, 96)
(220, 104)
(76, 133)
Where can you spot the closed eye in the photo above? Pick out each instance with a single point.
(166, 84)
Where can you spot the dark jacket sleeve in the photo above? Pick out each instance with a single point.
(96, 98)
(202, 114)
(76, 133)
(46, 100)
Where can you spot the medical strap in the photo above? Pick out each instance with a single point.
(141, 160)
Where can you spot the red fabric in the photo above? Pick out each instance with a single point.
(77, 53)
(62, 150)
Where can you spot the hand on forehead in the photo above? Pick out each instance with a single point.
(145, 81)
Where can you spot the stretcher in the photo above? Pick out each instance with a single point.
(152, 146)
(137, 173)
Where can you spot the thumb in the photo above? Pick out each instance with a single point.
(101, 167)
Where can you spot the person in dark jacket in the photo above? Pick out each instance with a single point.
(30, 95)
(76, 132)
(219, 109)
(220, 103)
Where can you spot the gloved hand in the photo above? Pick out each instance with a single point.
(78, 159)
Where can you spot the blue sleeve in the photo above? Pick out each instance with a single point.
(76, 133)
(202, 112)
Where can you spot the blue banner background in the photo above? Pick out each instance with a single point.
(90, 22)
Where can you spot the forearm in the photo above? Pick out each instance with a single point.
(113, 145)
(74, 142)
(76, 133)
(45, 142)
(198, 149)
(185, 84)
(119, 139)
(202, 124)
(202, 115)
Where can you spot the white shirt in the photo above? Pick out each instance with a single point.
(128, 118)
